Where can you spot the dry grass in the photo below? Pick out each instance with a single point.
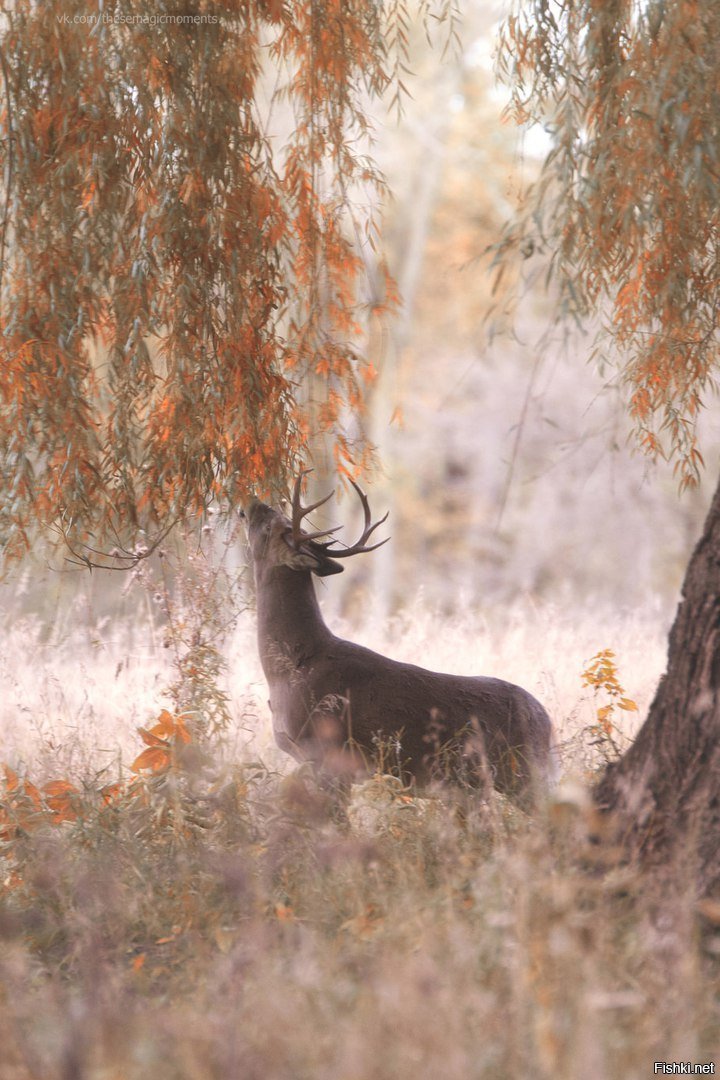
(223, 925)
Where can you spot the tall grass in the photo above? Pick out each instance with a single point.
(78, 692)
(224, 925)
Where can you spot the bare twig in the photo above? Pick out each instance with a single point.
(124, 559)
(516, 443)
(9, 167)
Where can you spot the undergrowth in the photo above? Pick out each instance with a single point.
(190, 909)
(205, 919)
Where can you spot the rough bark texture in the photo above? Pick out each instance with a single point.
(665, 791)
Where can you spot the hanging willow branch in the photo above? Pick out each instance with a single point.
(626, 209)
(180, 268)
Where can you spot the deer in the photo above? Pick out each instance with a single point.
(336, 704)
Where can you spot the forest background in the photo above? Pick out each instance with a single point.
(505, 455)
(175, 902)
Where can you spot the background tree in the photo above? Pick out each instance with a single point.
(173, 272)
(626, 207)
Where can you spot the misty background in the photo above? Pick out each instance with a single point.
(527, 530)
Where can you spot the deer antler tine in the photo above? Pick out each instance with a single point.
(314, 506)
(320, 532)
(363, 499)
(297, 505)
(376, 525)
(360, 546)
(366, 508)
(299, 512)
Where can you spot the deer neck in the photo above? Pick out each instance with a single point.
(290, 625)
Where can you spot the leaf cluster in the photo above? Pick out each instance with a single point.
(181, 252)
(627, 199)
(601, 674)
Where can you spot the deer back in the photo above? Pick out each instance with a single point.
(339, 704)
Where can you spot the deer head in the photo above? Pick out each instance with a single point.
(276, 540)
(333, 702)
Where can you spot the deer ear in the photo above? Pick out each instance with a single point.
(306, 558)
(326, 566)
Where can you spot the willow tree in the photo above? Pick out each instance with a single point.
(183, 197)
(627, 209)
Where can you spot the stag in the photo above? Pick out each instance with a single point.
(337, 704)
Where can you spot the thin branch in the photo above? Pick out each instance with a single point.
(516, 444)
(130, 558)
(9, 167)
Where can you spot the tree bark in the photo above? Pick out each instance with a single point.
(664, 793)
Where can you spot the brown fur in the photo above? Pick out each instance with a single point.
(337, 704)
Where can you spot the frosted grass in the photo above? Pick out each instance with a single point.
(71, 700)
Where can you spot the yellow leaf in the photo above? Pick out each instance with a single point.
(627, 704)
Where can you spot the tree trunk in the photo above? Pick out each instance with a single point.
(664, 793)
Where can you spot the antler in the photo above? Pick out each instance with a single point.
(360, 546)
(299, 512)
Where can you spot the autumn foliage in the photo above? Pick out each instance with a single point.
(601, 675)
(187, 207)
(25, 807)
(626, 206)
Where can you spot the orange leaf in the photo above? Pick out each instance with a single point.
(151, 738)
(168, 726)
(59, 798)
(33, 794)
(111, 792)
(155, 758)
(11, 779)
(165, 723)
(60, 787)
(181, 732)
